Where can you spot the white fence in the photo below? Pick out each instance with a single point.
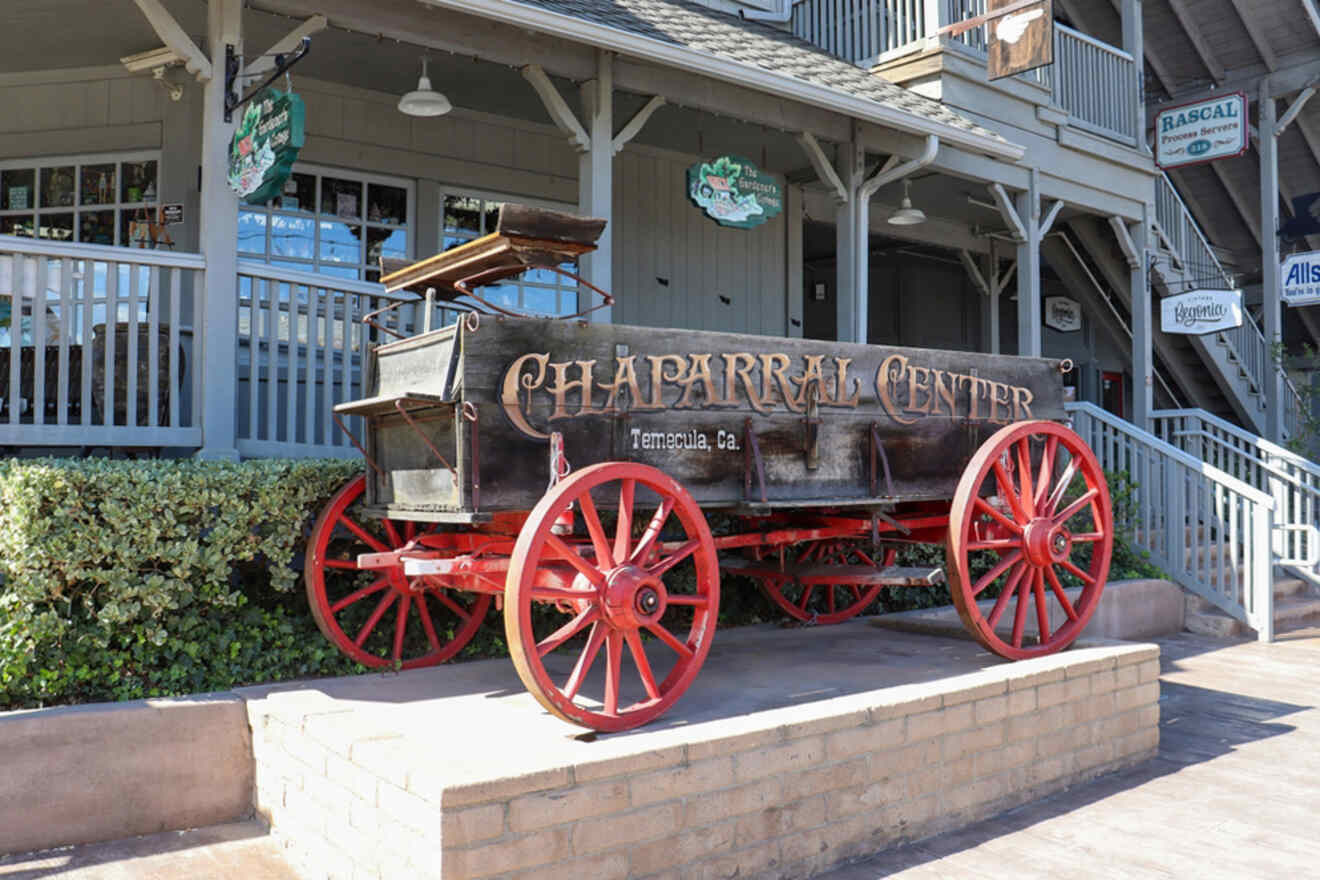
(1290, 479)
(97, 346)
(302, 349)
(1209, 530)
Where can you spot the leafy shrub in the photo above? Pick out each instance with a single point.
(126, 579)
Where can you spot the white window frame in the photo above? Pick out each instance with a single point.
(566, 289)
(316, 263)
(80, 160)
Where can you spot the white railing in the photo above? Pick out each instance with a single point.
(1290, 479)
(861, 31)
(1208, 530)
(1196, 266)
(1096, 83)
(97, 347)
(302, 349)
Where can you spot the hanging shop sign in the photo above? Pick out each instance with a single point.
(265, 146)
(1020, 40)
(1300, 279)
(1203, 131)
(1063, 314)
(1201, 311)
(734, 192)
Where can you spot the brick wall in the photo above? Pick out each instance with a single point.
(813, 786)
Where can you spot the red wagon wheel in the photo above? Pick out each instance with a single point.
(1031, 516)
(826, 603)
(646, 596)
(381, 617)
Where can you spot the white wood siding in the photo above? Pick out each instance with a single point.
(89, 111)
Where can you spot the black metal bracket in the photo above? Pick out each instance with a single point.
(282, 65)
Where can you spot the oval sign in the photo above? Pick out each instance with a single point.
(1198, 148)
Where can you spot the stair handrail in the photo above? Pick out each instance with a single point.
(1292, 480)
(1208, 530)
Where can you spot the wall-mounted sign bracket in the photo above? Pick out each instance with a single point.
(283, 63)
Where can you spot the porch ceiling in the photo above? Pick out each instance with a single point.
(57, 34)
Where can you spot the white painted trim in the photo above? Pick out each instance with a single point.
(635, 125)
(65, 75)
(81, 159)
(104, 253)
(557, 107)
(746, 75)
(1293, 109)
(892, 171)
(176, 38)
(1008, 212)
(824, 170)
(1048, 220)
(257, 269)
(292, 40)
(1125, 242)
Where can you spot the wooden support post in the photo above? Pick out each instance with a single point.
(848, 239)
(1134, 45)
(596, 180)
(1268, 145)
(219, 245)
(793, 219)
(1143, 339)
(1028, 258)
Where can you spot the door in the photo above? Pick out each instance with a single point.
(1111, 393)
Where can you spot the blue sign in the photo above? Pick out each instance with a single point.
(1300, 281)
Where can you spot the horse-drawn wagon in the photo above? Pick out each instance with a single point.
(566, 469)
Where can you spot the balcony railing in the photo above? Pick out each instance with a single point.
(1094, 82)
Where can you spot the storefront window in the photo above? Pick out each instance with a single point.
(538, 291)
(87, 199)
(330, 221)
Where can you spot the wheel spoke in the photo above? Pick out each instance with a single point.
(427, 624)
(1059, 594)
(586, 569)
(990, 576)
(1046, 471)
(1020, 610)
(670, 639)
(453, 606)
(363, 534)
(395, 540)
(829, 597)
(401, 626)
(996, 544)
(1074, 508)
(585, 659)
(1042, 612)
(1060, 488)
(604, 558)
(652, 533)
(561, 594)
(1028, 496)
(638, 652)
(567, 631)
(694, 600)
(1007, 593)
(376, 615)
(984, 506)
(1008, 492)
(685, 550)
(1067, 563)
(359, 594)
(623, 532)
(806, 597)
(409, 530)
(342, 564)
(1088, 537)
(613, 671)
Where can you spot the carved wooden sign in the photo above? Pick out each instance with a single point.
(1020, 40)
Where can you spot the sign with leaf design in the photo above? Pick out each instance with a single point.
(734, 192)
(265, 145)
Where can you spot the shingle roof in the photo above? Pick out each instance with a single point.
(702, 29)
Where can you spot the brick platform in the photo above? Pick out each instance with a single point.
(794, 750)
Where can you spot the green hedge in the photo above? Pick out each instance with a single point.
(127, 579)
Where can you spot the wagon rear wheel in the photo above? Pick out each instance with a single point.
(1031, 518)
(826, 603)
(381, 617)
(608, 627)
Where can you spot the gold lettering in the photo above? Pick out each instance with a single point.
(772, 371)
(945, 393)
(974, 397)
(996, 401)
(515, 381)
(915, 385)
(842, 395)
(739, 366)
(698, 372)
(1022, 399)
(891, 373)
(658, 377)
(812, 372)
(562, 386)
(625, 378)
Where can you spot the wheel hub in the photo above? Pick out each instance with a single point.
(633, 597)
(1046, 543)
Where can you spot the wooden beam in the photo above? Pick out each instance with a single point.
(1050, 217)
(1314, 14)
(176, 38)
(1154, 62)
(1249, 12)
(824, 169)
(1009, 212)
(1239, 201)
(1193, 32)
(634, 125)
(557, 107)
(265, 62)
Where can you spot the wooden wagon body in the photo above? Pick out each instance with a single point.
(565, 469)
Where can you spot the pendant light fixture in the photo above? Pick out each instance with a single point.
(425, 101)
(907, 215)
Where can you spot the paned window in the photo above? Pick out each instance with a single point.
(330, 221)
(86, 199)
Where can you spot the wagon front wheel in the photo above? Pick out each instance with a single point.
(821, 601)
(608, 626)
(1031, 523)
(381, 617)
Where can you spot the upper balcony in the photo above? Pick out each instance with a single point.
(1093, 86)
